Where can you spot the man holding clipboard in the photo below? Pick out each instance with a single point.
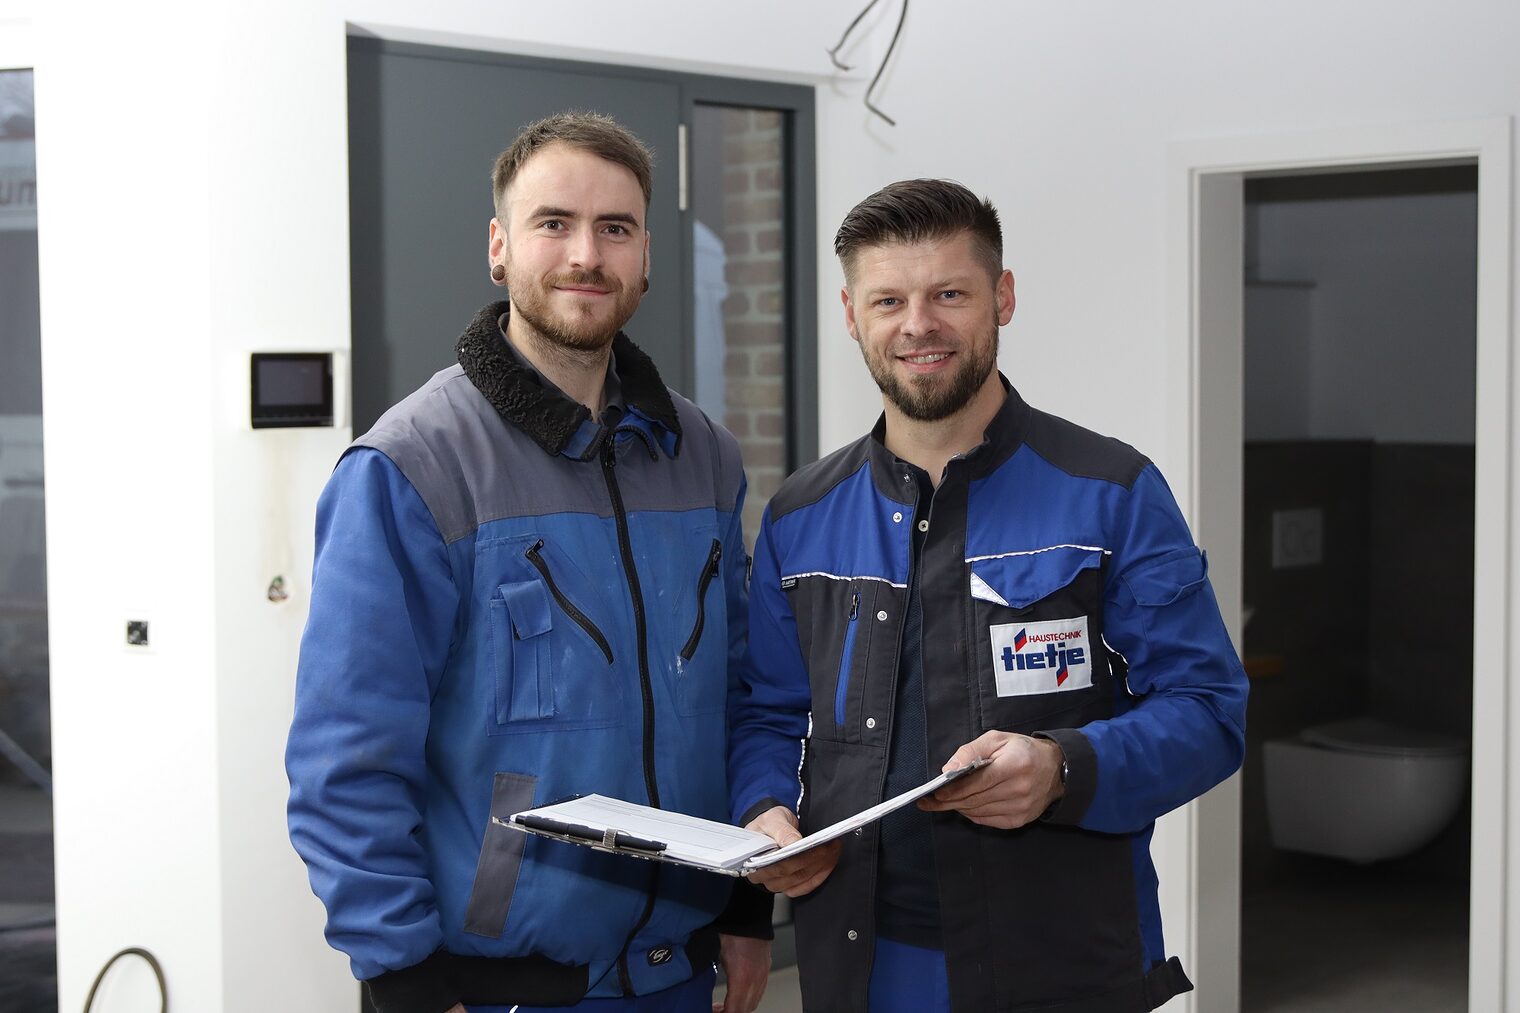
(974, 580)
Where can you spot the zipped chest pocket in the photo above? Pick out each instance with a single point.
(700, 666)
(709, 571)
(847, 630)
(846, 656)
(535, 556)
(551, 658)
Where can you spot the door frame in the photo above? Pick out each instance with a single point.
(1205, 210)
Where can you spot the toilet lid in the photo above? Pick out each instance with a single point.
(1369, 735)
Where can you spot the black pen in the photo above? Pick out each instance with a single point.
(616, 839)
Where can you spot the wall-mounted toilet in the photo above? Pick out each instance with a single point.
(1362, 789)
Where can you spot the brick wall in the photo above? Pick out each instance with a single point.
(754, 323)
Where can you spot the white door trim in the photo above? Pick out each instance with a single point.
(1204, 358)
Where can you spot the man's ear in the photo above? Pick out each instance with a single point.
(646, 255)
(849, 313)
(496, 244)
(1005, 299)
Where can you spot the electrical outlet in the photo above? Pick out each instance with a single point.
(1298, 538)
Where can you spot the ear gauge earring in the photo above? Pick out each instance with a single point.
(646, 283)
(499, 273)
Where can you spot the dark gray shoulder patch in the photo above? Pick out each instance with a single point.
(1081, 452)
(810, 483)
(438, 436)
(703, 437)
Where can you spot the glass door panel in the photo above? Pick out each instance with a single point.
(27, 938)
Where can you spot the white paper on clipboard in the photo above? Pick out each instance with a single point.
(640, 831)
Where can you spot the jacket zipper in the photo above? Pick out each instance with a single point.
(707, 575)
(641, 629)
(581, 619)
(843, 685)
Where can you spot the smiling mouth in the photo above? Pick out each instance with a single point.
(926, 359)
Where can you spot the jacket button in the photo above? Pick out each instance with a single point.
(923, 525)
(897, 517)
(881, 617)
(852, 935)
(870, 722)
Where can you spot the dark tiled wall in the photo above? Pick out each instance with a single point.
(1420, 598)
(1382, 625)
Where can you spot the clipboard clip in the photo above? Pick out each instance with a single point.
(611, 839)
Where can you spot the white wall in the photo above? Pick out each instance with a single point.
(193, 206)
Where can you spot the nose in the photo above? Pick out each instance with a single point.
(920, 320)
(584, 252)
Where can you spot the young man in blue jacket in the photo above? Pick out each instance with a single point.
(529, 583)
(975, 579)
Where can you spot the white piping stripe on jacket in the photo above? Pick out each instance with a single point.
(1036, 552)
(835, 576)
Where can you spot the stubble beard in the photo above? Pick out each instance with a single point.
(579, 331)
(932, 398)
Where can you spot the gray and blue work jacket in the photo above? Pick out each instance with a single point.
(1062, 596)
(512, 603)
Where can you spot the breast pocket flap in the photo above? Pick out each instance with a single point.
(530, 608)
(1018, 580)
(1173, 576)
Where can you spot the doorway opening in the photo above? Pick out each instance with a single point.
(1207, 290)
(1359, 322)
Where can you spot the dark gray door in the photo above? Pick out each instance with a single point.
(425, 127)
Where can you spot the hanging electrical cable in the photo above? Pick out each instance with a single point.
(132, 951)
(896, 33)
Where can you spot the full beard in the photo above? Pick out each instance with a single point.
(931, 398)
(579, 330)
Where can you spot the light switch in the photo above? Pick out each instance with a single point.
(1298, 538)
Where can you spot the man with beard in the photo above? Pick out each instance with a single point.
(529, 583)
(974, 579)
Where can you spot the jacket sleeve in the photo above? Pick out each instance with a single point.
(750, 907)
(1180, 728)
(383, 609)
(768, 717)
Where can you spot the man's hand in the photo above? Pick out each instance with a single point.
(795, 876)
(746, 966)
(1020, 783)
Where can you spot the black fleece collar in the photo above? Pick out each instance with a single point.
(546, 415)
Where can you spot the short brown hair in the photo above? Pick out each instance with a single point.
(917, 210)
(601, 135)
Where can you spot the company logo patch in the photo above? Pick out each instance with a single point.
(1052, 657)
(660, 955)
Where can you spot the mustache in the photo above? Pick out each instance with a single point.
(587, 279)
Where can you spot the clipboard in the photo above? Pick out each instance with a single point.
(638, 831)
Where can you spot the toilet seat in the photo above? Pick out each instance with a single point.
(1378, 738)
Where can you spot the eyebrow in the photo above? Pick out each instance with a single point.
(956, 282)
(545, 211)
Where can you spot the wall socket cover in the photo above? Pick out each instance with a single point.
(1298, 538)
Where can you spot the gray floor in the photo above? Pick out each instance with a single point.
(1342, 939)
